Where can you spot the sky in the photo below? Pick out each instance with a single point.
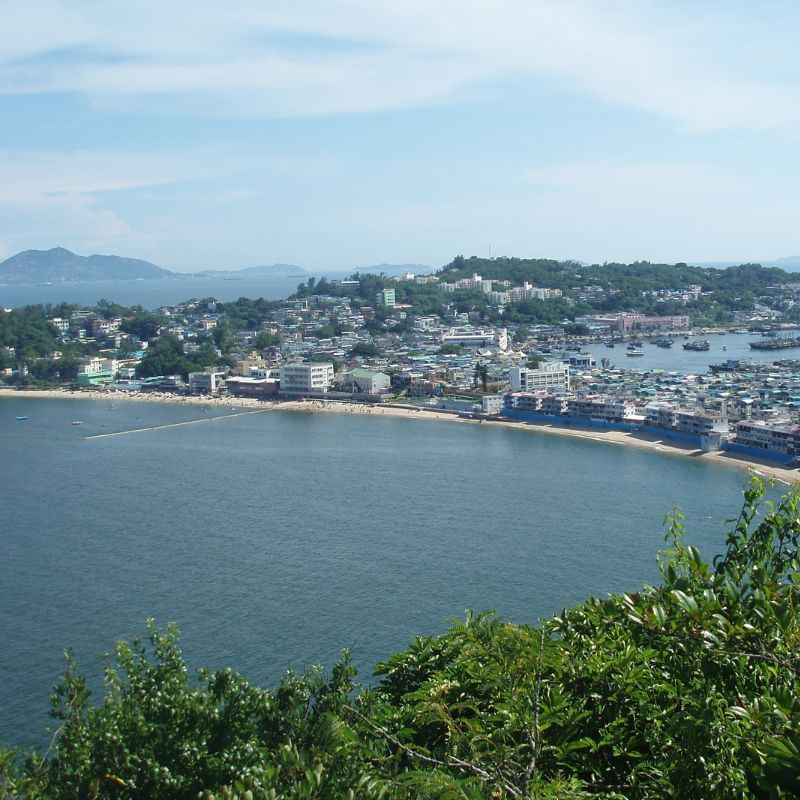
(335, 134)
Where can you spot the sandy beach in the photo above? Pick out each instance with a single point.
(762, 467)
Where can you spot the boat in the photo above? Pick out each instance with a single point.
(774, 343)
(700, 344)
(19, 419)
(731, 365)
(609, 343)
(636, 351)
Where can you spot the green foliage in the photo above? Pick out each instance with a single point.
(247, 313)
(365, 350)
(144, 324)
(28, 331)
(264, 339)
(166, 357)
(688, 689)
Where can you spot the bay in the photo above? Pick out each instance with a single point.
(274, 539)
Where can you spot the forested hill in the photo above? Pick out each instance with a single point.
(60, 265)
(636, 277)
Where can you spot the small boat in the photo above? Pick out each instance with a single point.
(19, 419)
(77, 422)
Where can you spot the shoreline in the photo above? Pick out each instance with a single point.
(762, 467)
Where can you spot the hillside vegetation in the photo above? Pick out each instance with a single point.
(688, 689)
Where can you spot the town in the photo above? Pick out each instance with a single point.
(454, 342)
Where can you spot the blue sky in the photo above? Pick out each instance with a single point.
(339, 133)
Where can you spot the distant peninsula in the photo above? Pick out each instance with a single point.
(60, 265)
(264, 271)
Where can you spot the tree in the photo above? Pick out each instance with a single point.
(481, 375)
(522, 334)
(364, 350)
(144, 324)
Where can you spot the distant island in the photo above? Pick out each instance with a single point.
(60, 265)
(270, 271)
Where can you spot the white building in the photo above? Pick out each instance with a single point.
(365, 380)
(551, 375)
(206, 382)
(477, 338)
(305, 379)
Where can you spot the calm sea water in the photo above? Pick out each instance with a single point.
(148, 293)
(275, 539)
(675, 358)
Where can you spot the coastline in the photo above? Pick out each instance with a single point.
(762, 467)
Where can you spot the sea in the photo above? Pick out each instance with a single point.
(149, 294)
(274, 539)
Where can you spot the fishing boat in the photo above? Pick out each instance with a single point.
(774, 343)
(701, 344)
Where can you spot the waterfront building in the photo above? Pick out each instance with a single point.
(627, 321)
(259, 387)
(583, 361)
(96, 371)
(206, 382)
(554, 405)
(700, 423)
(477, 338)
(781, 438)
(366, 381)
(523, 401)
(598, 407)
(306, 379)
(660, 417)
(550, 376)
(492, 403)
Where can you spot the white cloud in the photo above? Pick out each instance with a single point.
(364, 55)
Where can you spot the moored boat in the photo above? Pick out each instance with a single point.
(774, 343)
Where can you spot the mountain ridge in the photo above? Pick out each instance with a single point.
(59, 265)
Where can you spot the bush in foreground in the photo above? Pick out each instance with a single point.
(688, 689)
